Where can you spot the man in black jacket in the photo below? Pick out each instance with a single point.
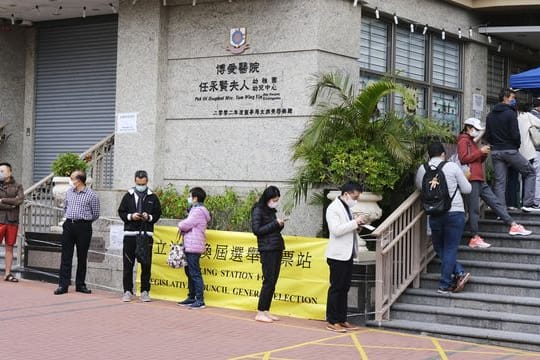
(502, 133)
(140, 209)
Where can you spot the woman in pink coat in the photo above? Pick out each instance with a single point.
(193, 229)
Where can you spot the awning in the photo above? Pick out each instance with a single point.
(529, 79)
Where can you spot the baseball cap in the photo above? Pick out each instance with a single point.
(474, 122)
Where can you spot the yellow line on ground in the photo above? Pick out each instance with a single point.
(289, 347)
(359, 347)
(439, 349)
(267, 355)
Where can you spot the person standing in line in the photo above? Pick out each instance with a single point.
(267, 227)
(140, 209)
(502, 133)
(473, 156)
(447, 228)
(342, 249)
(536, 112)
(81, 208)
(11, 197)
(193, 229)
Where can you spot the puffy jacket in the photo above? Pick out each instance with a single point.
(265, 226)
(502, 130)
(12, 195)
(470, 154)
(128, 206)
(193, 228)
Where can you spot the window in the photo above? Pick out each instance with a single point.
(374, 37)
(434, 75)
(410, 54)
(495, 75)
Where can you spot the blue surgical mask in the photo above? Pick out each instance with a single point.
(141, 188)
(513, 103)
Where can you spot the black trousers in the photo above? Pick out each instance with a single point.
(74, 234)
(129, 261)
(271, 264)
(340, 283)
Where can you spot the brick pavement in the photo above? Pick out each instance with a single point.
(35, 324)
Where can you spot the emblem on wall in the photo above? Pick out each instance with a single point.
(237, 41)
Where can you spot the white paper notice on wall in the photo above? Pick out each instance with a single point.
(126, 123)
(116, 237)
(478, 102)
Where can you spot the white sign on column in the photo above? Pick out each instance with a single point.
(126, 123)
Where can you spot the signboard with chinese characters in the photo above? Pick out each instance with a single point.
(234, 87)
(232, 273)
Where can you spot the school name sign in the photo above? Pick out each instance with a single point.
(232, 273)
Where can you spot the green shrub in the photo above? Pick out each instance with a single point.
(66, 163)
(229, 211)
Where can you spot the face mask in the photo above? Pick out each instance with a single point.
(475, 133)
(2, 176)
(273, 204)
(141, 188)
(350, 202)
(513, 103)
(190, 200)
(71, 183)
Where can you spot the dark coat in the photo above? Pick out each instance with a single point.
(150, 205)
(266, 227)
(502, 129)
(12, 196)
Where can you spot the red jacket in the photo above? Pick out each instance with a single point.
(470, 154)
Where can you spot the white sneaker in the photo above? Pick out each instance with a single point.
(145, 297)
(128, 296)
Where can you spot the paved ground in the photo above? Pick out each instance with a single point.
(35, 324)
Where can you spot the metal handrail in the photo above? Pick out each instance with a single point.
(403, 252)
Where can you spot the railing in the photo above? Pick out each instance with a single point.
(403, 252)
(40, 210)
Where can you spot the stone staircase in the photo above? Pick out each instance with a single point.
(501, 302)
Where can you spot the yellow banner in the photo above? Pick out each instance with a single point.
(232, 273)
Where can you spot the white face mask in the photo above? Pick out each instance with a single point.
(190, 200)
(273, 204)
(474, 133)
(350, 202)
(2, 176)
(71, 183)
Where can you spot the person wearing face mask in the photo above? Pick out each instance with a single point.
(139, 209)
(11, 197)
(526, 120)
(81, 208)
(267, 227)
(473, 156)
(502, 133)
(193, 229)
(447, 228)
(342, 249)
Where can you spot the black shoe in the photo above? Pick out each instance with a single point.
(60, 290)
(84, 290)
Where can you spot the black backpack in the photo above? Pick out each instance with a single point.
(436, 199)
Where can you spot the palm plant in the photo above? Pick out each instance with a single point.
(348, 138)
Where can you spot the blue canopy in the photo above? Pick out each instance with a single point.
(529, 79)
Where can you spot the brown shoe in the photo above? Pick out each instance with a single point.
(462, 280)
(348, 326)
(336, 328)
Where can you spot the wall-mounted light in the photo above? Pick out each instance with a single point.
(396, 19)
(425, 30)
(113, 9)
(12, 19)
(194, 3)
(470, 32)
(443, 34)
(489, 39)
(377, 14)
(355, 4)
(459, 33)
(499, 47)
(412, 28)
(84, 12)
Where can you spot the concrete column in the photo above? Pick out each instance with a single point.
(474, 78)
(141, 75)
(29, 109)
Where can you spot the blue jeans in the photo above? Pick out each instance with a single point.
(446, 233)
(195, 280)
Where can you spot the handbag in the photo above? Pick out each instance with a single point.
(142, 247)
(177, 257)
(535, 135)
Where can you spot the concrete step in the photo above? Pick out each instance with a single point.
(473, 318)
(494, 269)
(498, 226)
(500, 254)
(504, 240)
(518, 215)
(472, 300)
(494, 337)
(489, 285)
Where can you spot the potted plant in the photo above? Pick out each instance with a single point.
(62, 167)
(349, 138)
